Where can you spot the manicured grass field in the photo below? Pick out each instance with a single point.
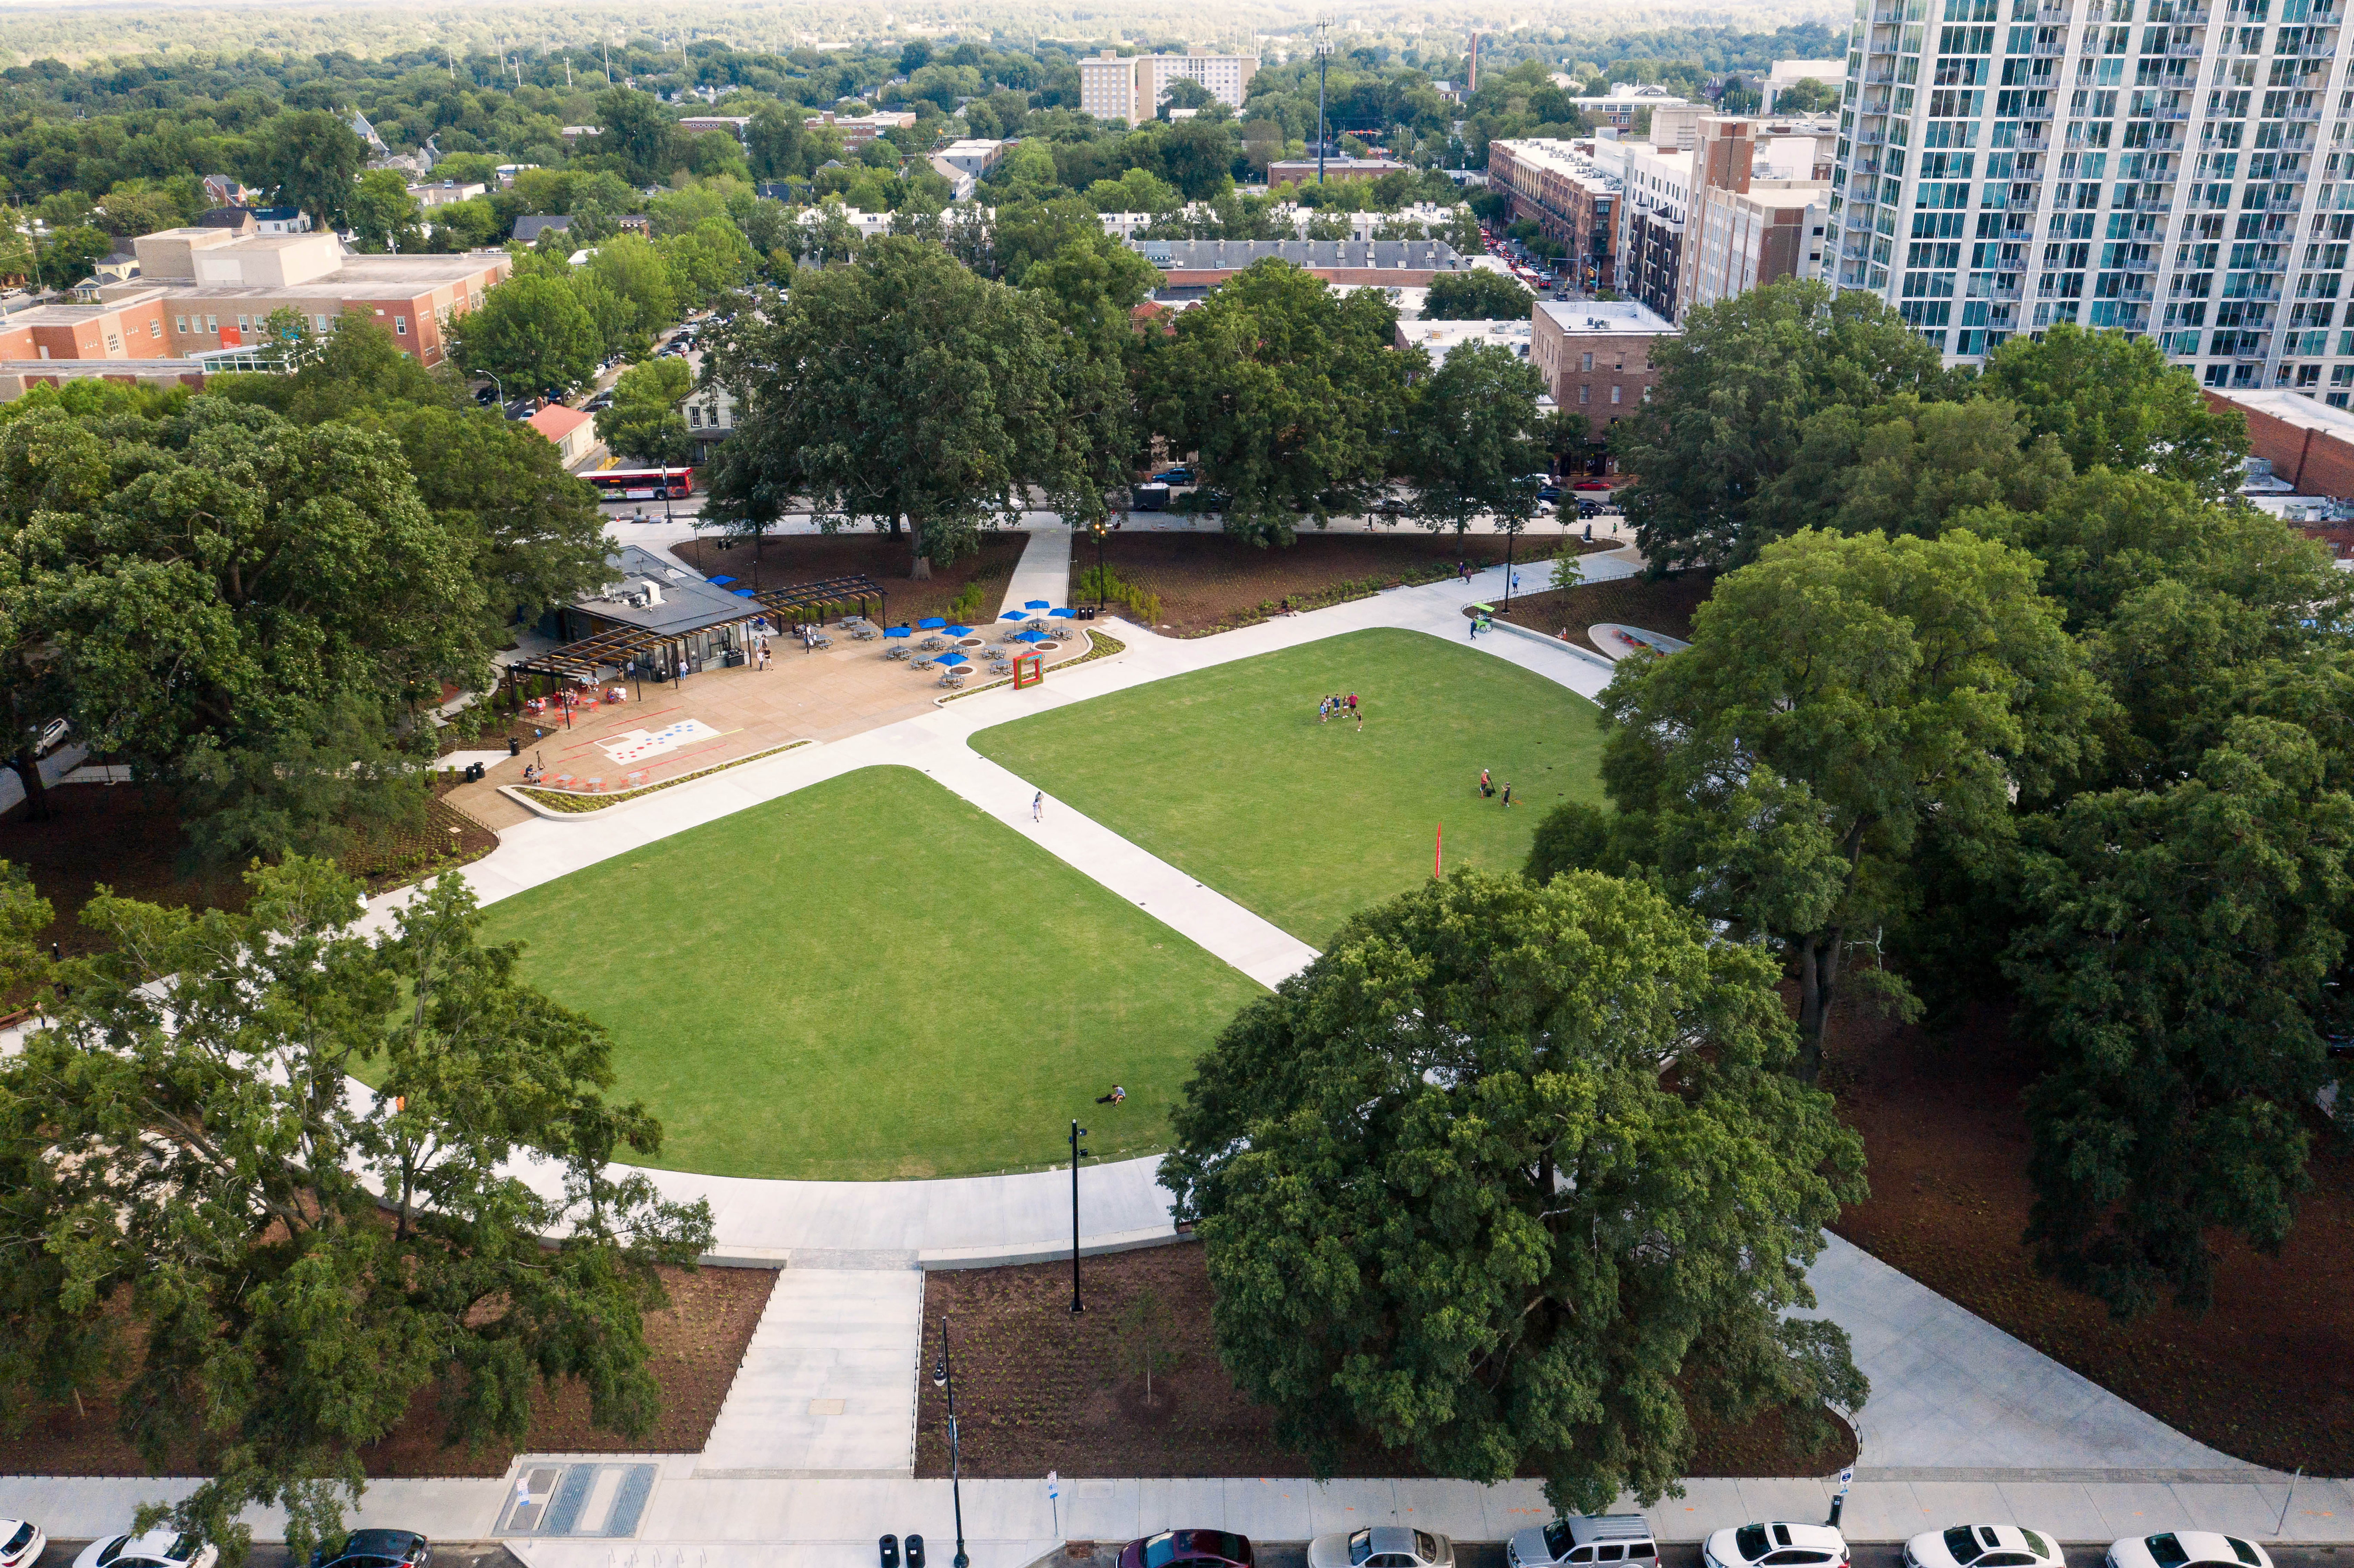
(1227, 774)
(869, 978)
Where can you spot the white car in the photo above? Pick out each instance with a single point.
(21, 1543)
(2187, 1549)
(1983, 1546)
(1382, 1546)
(156, 1549)
(1775, 1544)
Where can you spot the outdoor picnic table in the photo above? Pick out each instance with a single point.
(894, 652)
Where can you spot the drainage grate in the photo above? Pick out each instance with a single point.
(586, 1500)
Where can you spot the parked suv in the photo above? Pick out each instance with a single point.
(1594, 1538)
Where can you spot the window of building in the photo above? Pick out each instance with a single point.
(179, 323)
(401, 326)
(156, 326)
(1587, 363)
(1582, 390)
(1614, 394)
(212, 323)
(243, 325)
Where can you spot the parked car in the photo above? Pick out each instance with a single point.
(1593, 1538)
(1181, 474)
(603, 400)
(21, 1543)
(1382, 1546)
(1188, 1549)
(2187, 1549)
(1775, 1544)
(53, 735)
(1549, 491)
(1983, 1546)
(377, 1548)
(156, 1549)
(1590, 485)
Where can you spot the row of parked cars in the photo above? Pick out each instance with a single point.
(22, 1543)
(1627, 1539)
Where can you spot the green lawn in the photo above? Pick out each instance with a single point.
(1227, 774)
(869, 978)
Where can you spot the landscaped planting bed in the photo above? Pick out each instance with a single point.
(1039, 1389)
(2264, 1375)
(1213, 582)
(692, 1347)
(785, 559)
(1664, 605)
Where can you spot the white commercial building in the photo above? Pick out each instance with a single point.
(1128, 88)
(1787, 74)
(2172, 168)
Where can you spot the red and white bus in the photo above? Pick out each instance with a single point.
(643, 484)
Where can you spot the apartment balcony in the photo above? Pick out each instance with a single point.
(2139, 264)
(2186, 51)
(2305, 113)
(2261, 293)
(1870, 138)
(2139, 296)
(2035, 111)
(2051, 51)
(1999, 292)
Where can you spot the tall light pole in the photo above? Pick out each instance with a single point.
(1323, 56)
(1099, 528)
(943, 1376)
(1077, 1154)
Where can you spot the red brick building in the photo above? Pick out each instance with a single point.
(2308, 443)
(202, 291)
(1596, 358)
(1558, 187)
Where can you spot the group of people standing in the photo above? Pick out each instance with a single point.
(1487, 788)
(1345, 707)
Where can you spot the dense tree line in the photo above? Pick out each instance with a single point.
(257, 596)
(2005, 693)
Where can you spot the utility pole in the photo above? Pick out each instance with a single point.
(1323, 56)
(1077, 1154)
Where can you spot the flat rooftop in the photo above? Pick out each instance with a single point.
(1214, 255)
(2278, 402)
(1604, 318)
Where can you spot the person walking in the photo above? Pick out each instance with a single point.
(1361, 718)
(1352, 702)
(1038, 807)
(1508, 797)
(1486, 787)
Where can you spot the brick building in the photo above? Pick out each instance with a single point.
(2309, 444)
(1596, 358)
(200, 291)
(1573, 199)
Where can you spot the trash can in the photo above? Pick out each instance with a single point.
(915, 1552)
(514, 746)
(890, 1551)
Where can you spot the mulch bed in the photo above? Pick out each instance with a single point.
(1214, 582)
(1039, 1389)
(1664, 605)
(2264, 1375)
(786, 560)
(694, 1347)
(127, 836)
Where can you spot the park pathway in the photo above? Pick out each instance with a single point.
(827, 1387)
(1044, 570)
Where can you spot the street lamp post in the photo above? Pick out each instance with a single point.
(1099, 528)
(944, 1377)
(1323, 57)
(1077, 1154)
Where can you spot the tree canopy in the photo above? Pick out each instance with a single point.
(194, 1190)
(1288, 392)
(1472, 446)
(1478, 295)
(1511, 1175)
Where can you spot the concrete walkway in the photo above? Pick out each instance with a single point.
(828, 1384)
(1044, 571)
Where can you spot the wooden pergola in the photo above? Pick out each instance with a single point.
(824, 594)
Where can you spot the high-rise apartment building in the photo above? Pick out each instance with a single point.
(2174, 168)
(1113, 86)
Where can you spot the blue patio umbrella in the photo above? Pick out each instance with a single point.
(932, 623)
(949, 659)
(960, 631)
(897, 632)
(719, 582)
(1013, 615)
(1062, 614)
(1033, 637)
(743, 593)
(1034, 604)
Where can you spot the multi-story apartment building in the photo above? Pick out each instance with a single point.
(1572, 197)
(1113, 86)
(1757, 211)
(2174, 168)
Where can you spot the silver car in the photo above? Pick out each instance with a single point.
(1382, 1546)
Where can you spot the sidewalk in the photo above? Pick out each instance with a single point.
(721, 1523)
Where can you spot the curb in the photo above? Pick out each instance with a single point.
(623, 798)
(1553, 643)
